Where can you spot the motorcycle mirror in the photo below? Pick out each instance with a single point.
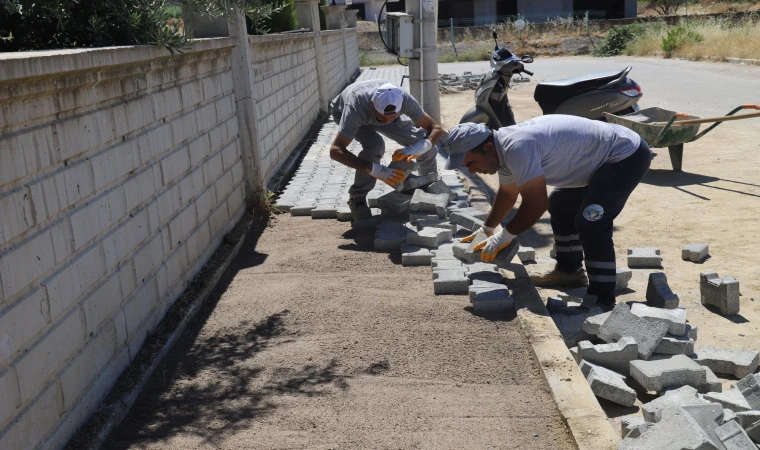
(527, 59)
(493, 33)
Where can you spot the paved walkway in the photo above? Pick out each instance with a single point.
(313, 340)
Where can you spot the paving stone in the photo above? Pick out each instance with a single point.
(394, 202)
(753, 430)
(461, 271)
(460, 248)
(733, 437)
(749, 387)
(615, 356)
(465, 220)
(436, 223)
(367, 223)
(678, 370)
(611, 387)
(686, 395)
(708, 417)
(486, 300)
(506, 255)
(738, 363)
(571, 326)
(575, 354)
(629, 423)
(695, 252)
(731, 399)
(343, 214)
(324, 212)
(675, 345)
(659, 294)
(691, 331)
(387, 213)
(677, 430)
(415, 256)
(450, 282)
(593, 323)
(674, 318)
(728, 415)
(386, 242)
(622, 322)
(748, 418)
(440, 187)
(415, 217)
(416, 182)
(526, 254)
(433, 203)
(622, 277)
(484, 272)
(644, 257)
(586, 368)
(448, 264)
(301, 210)
(722, 293)
(429, 237)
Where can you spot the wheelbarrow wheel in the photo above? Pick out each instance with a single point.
(676, 156)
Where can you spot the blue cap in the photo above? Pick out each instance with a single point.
(461, 139)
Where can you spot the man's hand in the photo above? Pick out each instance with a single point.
(414, 151)
(494, 244)
(487, 230)
(389, 176)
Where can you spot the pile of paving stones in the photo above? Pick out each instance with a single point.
(467, 81)
(650, 347)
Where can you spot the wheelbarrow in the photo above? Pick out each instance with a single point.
(662, 128)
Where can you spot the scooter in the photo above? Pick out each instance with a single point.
(589, 95)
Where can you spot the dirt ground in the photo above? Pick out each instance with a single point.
(312, 340)
(716, 200)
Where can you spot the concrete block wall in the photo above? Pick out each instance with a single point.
(287, 98)
(352, 50)
(332, 46)
(120, 172)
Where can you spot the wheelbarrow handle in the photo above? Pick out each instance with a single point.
(708, 119)
(751, 106)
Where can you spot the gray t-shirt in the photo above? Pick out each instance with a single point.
(567, 150)
(354, 102)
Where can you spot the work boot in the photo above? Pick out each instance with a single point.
(359, 208)
(548, 277)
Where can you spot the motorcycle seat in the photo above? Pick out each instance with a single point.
(556, 92)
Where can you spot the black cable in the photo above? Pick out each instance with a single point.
(378, 28)
(398, 58)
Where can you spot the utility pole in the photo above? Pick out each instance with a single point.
(431, 96)
(415, 63)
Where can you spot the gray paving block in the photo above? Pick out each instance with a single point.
(695, 252)
(429, 237)
(708, 417)
(677, 430)
(490, 300)
(574, 352)
(749, 387)
(386, 242)
(448, 264)
(629, 423)
(675, 345)
(612, 388)
(678, 370)
(587, 367)
(417, 182)
(324, 212)
(728, 415)
(433, 203)
(367, 224)
(733, 437)
(722, 293)
(440, 187)
(415, 217)
(460, 249)
(731, 399)
(484, 272)
(622, 277)
(622, 322)
(301, 210)
(465, 220)
(394, 202)
(343, 213)
(738, 363)
(644, 257)
(461, 271)
(437, 223)
(615, 356)
(450, 282)
(571, 326)
(748, 418)
(691, 331)
(593, 323)
(506, 255)
(686, 395)
(387, 213)
(526, 254)
(674, 318)
(659, 294)
(753, 430)
(412, 255)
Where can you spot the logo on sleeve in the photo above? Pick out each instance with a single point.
(592, 213)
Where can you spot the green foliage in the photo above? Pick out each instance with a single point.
(667, 7)
(618, 39)
(679, 36)
(284, 19)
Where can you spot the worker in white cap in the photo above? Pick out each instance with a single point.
(364, 111)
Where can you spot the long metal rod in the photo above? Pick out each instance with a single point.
(707, 120)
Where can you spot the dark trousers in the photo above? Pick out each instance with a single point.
(581, 220)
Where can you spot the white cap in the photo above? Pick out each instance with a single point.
(388, 95)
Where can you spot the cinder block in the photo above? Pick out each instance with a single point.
(437, 223)
(678, 370)
(439, 187)
(450, 282)
(722, 293)
(415, 256)
(695, 252)
(738, 363)
(622, 277)
(675, 431)
(675, 345)
(429, 237)
(749, 387)
(731, 399)
(526, 254)
(394, 202)
(465, 220)
(733, 437)
(571, 326)
(611, 387)
(686, 395)
(644, 257)
(659, 294)
(593, 323)
(674, 318)
(622, 322)
(433, 203)
(615, 356)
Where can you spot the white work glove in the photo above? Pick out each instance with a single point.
(392, 177)
(494, 244)
(487, 230)
(414, 151)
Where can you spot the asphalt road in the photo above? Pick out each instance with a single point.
(698, 88)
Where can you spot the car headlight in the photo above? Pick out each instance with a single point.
(483, 87)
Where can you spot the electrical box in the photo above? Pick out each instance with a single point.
(398, 34)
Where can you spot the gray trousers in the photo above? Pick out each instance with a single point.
(401, 130)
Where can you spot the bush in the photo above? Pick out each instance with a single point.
(618, 38)
(679, 36)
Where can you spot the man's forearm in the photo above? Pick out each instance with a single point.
(435, 134)
(502, 204)
(347, 158)
(527, 215)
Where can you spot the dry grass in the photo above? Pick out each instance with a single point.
(708, 7)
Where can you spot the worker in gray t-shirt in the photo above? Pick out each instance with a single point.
(364, 111)
(594, 167)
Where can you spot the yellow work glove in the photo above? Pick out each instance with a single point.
(494, 244)
(487, 230)
(414, 151)
(389, 176)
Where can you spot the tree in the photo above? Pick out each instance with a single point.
(666, 7)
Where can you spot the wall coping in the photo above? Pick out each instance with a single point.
(15, 65)
(276, 38)
(332, 32)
